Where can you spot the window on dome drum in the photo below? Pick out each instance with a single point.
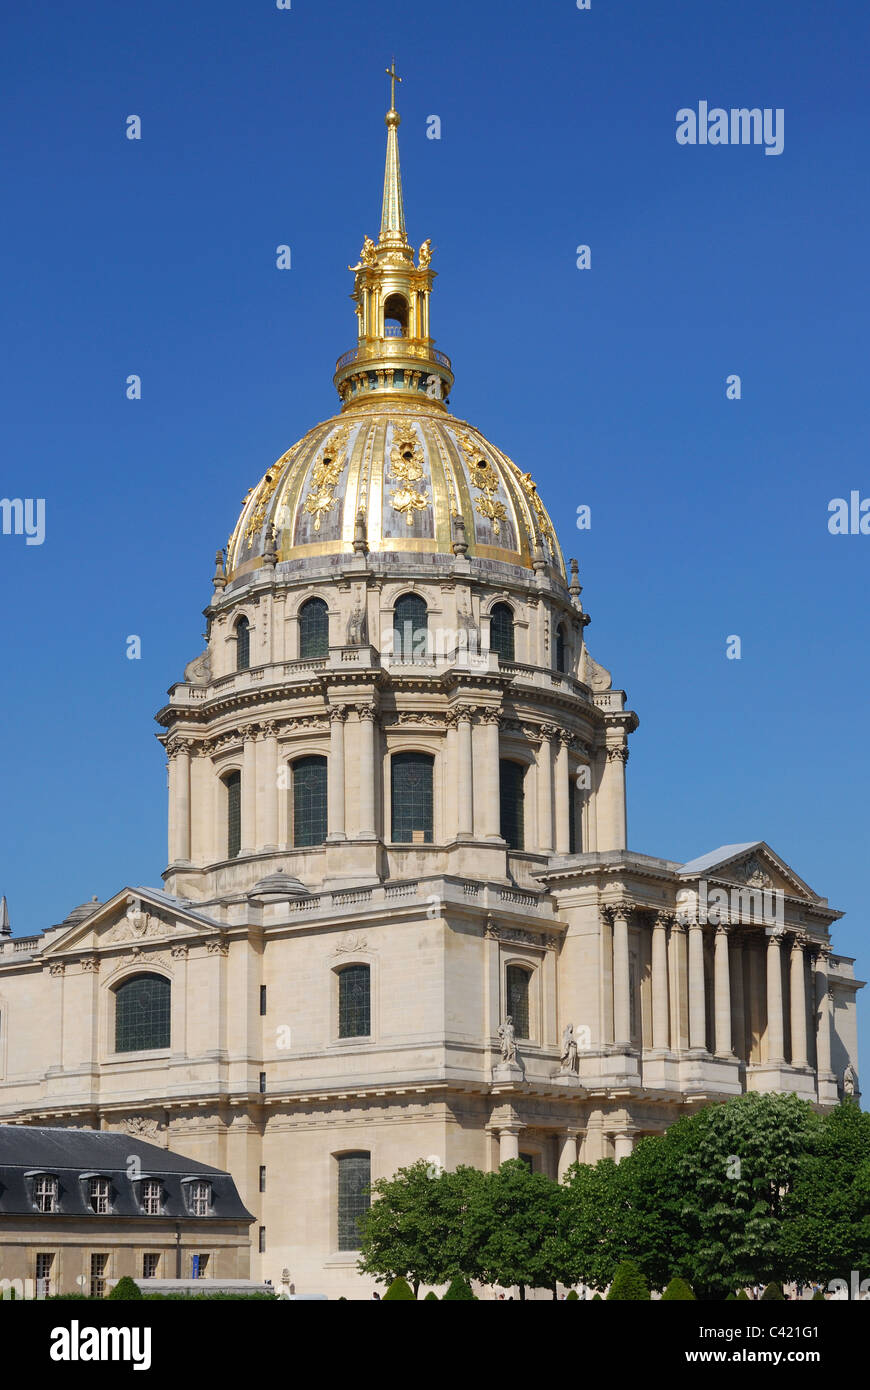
(45, 1193)
(243, 644)
(410, 628)
(511, 803)
(142, 1013)
(354, 1179)
(561, 648)
(98, 1195)
(233, 784)
(200, 1198)
(517, 989)
(309, 801)
(395, 317)
(575, 837)
(501, 632)
(152, 1196)
(314, 628)
(411, 776)
(354, 1002)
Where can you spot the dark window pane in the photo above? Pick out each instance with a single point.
(501, 631)
(309, 801)
(561, 649)
(511, 803)
(411, 784)
(354, 1002)
(233, 784)
(410, 627)
(243, 644)
(354, 1179)
(574, 821)
(529, 1161)
(314, 628)
(142, 1013)
(518, 999)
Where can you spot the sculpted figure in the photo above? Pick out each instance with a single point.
(508, 1039)
(569, 1049)
(425, 254)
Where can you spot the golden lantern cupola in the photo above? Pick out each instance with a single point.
(395, 353)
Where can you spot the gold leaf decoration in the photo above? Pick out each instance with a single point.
(265, 490)
(325, 474)
(492, 508)
(407, 462)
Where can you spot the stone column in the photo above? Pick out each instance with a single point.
(179, 785)
(605, 972)
(490, 776)
(722, 993)
(623, 1144)
(335, 801)
(621, 1014)
(465, 805)
(798, 1001)
(697, 999)
(366, 715)
(509, 1141)
(611, 799)
(738, 1008)
(567, 1151)
(267, 754)
(775, 1040)
(660, 1036)
(545, 790)
(679, 974)
(249, 791)
(824, 1011)
(562, 790)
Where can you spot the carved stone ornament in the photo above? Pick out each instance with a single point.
(752, 872)
(350, 945)
(90, 965)
(56, 967)
(620, 754)
(142, 1127)
(217, 945)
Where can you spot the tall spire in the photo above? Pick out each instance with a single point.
(393, 210)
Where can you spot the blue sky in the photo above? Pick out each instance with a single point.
(709, 517)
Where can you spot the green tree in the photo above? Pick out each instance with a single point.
(593, 1219)
(827, 1231)
(773, 1293)
(516, 1232)
(678, 1291)
(629, 1285)
(416, 1225)
(125, 1288)
(399, 1292)
(459, 1292)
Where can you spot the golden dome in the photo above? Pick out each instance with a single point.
(411, 472)
(394, 471)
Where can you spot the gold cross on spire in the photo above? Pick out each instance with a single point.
(394, 78)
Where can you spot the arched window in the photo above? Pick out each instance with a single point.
(411, 796)
(142, 1013)
(354, 1002)
(561, 648)
(501, 631)
(233, 784)
(313, 628)
(517, 989)
(395, 316)
(511, 796)
(354, 1180)
(243, 644)
(308, 802)
(410, 627)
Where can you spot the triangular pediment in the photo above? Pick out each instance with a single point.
(134, 916)
(753, 865)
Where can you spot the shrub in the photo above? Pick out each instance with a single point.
(459, 1291)
(399, 1291)
(629, 1285)
(818, 1296)
(742, 1296)
(598, 1296)
(678, 1291)
(125, 1288)
(429, 1295)
(573, 1296)
(773, 1292)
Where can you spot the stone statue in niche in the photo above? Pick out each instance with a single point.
(850, 1081)
(508, 1039)
(568, 1056)
(357, 627)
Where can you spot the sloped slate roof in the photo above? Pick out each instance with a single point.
(70, 1153)
(718, 856)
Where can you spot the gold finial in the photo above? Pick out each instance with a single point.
(394, 78)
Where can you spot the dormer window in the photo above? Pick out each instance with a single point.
(45, 1193)
(152, 1197)
(98, 1195)
(199, 1198)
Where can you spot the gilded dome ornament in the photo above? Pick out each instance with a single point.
(325, 474)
